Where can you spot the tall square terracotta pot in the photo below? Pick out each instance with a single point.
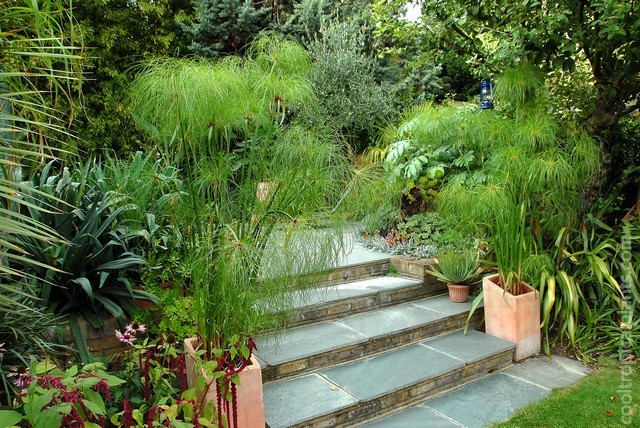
(514, 318)
(249, 393)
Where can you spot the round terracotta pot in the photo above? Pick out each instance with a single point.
(458, 293)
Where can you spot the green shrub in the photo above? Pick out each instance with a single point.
(56, 398)
(167, 276)
(430, 228)
(155, 192)
(350, 100)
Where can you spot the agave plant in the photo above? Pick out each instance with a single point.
(461, 268)
(87, 279)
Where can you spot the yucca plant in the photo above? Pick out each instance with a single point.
(88, 277)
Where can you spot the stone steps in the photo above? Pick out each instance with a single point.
(332, 302)
(368, 345)
(310, 347)
(364, 389)
(356, 270)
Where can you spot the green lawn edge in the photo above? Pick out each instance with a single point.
(607, 397)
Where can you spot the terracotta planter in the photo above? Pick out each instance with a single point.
(249, 393)
(514, 318)
(458, 293)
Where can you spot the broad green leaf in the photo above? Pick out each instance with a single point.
(9, 418)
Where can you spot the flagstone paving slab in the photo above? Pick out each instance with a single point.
(415, 417)
(356, 253)
(305, 341)
(300, 399)
(397, 318)
(444, 305)
(470, 347)
(351, 289)
(492, 399)
(548, 372)
(384, 373)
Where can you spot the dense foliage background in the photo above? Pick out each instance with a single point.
(126, 126)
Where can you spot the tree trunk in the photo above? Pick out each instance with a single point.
(614, 101)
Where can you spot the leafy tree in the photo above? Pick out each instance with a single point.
(405, 56)
(225, 26)
(556, 35)
(351, 101)
(121, 33)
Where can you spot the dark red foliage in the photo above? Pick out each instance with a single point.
(182, 366)
(73, 395)
(128, 420)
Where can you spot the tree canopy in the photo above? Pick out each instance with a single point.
(554, 35)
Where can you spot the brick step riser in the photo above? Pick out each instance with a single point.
(355, 272)
(368, 348)
(376, 408)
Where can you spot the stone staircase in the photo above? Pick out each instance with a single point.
(369, 345)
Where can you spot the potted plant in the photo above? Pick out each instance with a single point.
(511, 306)
(459, 270)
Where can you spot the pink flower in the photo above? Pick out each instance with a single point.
(126, 337)
(23, 379)
(136, 327)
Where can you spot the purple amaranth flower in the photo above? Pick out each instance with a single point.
(126, 337)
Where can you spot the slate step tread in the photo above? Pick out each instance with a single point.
(361, 387)
(491, 399)
(323, 295)
(328, 303)
(356, 330)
